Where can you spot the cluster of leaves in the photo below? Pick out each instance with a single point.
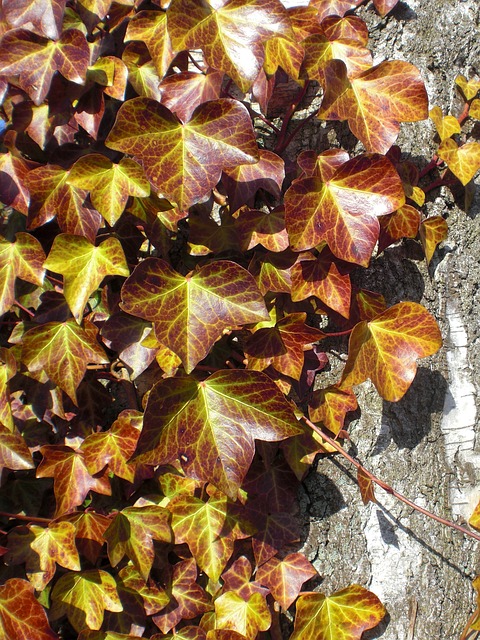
(164, 276)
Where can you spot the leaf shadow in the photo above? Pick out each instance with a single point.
(328, 498)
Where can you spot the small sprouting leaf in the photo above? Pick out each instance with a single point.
(343, 209)
(345, 615)
(132, 533)
(185, 161)
(21, 615)
(386, 349)
(331, 405)
(114, 447)
(190, 313)
(464, 161)
(109, 184)
(14, 453)
(446, 126)
(392, 88)
(183, 92)
(150, 27)
(247, 617)
(63, 350)
(35, 59)
(43, 17)
(433, 230)
(84, 597)
(84, 266)
(469, 88)
(365, 484)
(230, 33)
(285, 577)
(211, 426)
(71, 478)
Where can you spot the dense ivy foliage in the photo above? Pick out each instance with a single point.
(168, 277)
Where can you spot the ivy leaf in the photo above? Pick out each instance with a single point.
(384, 6)
(392, 88)
(330, 406)
(150, 27)
(238, 579)
(386, 349)
(272, 271)
(13, 191)
(183, 92)
(275, 532)
(188, 598)
(84, 597)
(365, 484)
(343, 211)
(333, 7)
(446, 126)
(142, 74)
(469, 88)
(43, 17)
(474, 520)
(282, 52)
(35, 59)
(114, 447)
(403, 223)
(285, 577)
(89, 530)
(8, 368)
(84, 266)
(109, 184)
(370, 304)
(55, 544)
(464, 161)
(190, 313)
(268, 229)
(345, 615)
(229, 32)
(20, 259)
(52, 195)
(321, 276)
(63, 350)
(211, 426)
(433, 230)
(154, 598)
(14, 453)
(112, 74)
(21, 615)
(247, 617)
(185, 161)
(282, 346)
(71, 478)
(132, 533)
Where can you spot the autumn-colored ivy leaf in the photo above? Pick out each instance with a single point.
(132, 533)
(384, 6)
(71, 478)
(284, 53)
(190, 313)
(115, 446)
(109, 184)
(35, 59)
(230, 33)
(474, 111)
(446, 126)
(474, 520)
(185, 161)
(343, 211)
(386, 349)
(52, 195)
(142, 73)
(183, 92)
(322, 277)
(211, 426)
(432, 231)
(257, 227)
(55, 544)
(370, 304)
(243, 182)
(63, 350)
(282, 346)
(464, 161)
(238, 579)
(330, 407)
(111, 73)
(105, 635)
(89, 529)
(345, 615)
(403, 223)
(365, 484)
(8, 368)
(154, 598)
(43, 17)
(150, 27)
(272, 271)
(285, 577)
(333, 7)
(188, 598)
(392, 88)
(21, 615)
(469, 88)
(247, 617)
(84, 266)
(13, 190)
(14, 453)
(20, 259)
(84, 597)
(275, 531)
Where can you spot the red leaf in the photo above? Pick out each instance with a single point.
(21, 615)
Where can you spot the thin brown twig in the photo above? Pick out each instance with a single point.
(20, 306)
(17, 516)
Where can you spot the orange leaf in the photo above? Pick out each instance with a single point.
(464, 161)
(432, 231)
(446, 126)
(365, 484)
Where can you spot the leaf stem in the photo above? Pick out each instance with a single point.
(281, 145)
(20, 306)
(298, 128)
(17, 516)
(441, 182)
(464, 115)
(335, 334)
(385, 486)
(434, 162)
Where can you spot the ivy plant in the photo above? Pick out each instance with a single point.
(169, 277)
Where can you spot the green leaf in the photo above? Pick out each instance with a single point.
(84, 266)
(185, 161)
(21, 615)
(211, 426)
(190, 313)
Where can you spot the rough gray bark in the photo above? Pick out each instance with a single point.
(425, 445)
